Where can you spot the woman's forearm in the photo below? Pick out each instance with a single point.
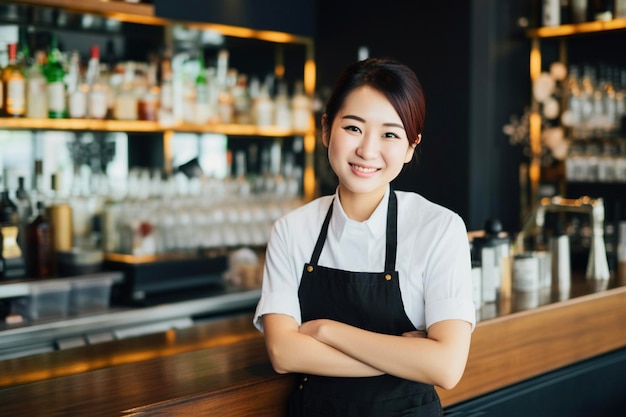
(292, 351)
(439, 359)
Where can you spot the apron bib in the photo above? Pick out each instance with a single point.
(370, 301)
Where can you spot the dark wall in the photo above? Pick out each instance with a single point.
(435, 44)
(472, 60)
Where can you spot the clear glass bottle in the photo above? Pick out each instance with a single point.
(36, 86)
(302, 107)
(98, 96)
(282, 108)
(76, 89)
(202, 108)
(166, 95)
(14, 86)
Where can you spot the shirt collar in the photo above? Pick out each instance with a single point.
(376, 224)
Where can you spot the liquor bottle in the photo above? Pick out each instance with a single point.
(148, 102)
(202, 105)
(59, 213)
(264, 106)
(166, 108)
(126, 104)
(76, 90)
(579, 11)
(12, 263)
(242, 101)
(98, 85)
(14, 86)
(620, 9)
(39, 250)
(282, 108)
(302, 108)
(55, 77)
(551, 13)
(36, 85)
(23, 201)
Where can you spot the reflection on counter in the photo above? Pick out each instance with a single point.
(528, 300)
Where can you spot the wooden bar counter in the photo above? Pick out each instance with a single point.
(220, 367)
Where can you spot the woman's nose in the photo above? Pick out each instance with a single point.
(368, 147)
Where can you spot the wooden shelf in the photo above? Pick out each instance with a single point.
(139, 126)
(577, 29)
(145, 14)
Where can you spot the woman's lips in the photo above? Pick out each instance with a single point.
(364, 170)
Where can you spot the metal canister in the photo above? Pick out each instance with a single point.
(526, 272)
(60, 216)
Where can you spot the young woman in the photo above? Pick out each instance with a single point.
(367, 293)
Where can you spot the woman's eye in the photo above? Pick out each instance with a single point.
(352, 129)
(390, 135)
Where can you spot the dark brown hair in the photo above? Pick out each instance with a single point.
(394, 80)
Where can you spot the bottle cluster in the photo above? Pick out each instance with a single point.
(54, 229)
(596, 161)
(171, 91)
(596, 101)
(563, 12)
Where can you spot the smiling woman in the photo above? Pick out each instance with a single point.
(369, 343)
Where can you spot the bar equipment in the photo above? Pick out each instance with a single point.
(597, 265)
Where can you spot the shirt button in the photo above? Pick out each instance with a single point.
(300, 387)
(309, 268)
(388, 277)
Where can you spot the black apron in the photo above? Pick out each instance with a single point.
(371, 301)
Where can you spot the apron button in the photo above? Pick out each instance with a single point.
(388, 277)
(309, 268)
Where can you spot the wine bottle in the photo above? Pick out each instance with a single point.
(39, 244)
(55, 77)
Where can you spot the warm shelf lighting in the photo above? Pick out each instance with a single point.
(578, 28)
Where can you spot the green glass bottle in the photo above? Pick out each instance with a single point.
(55, 77)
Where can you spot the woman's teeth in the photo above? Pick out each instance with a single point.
(364, 169)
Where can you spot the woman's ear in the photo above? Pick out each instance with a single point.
(325, 130)
(418, 140)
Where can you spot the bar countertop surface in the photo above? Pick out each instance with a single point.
(162, 373)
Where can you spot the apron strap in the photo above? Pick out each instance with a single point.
(322, 236)
(391, 234)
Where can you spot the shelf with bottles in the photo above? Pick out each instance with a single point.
(145, 126)
(579, 87)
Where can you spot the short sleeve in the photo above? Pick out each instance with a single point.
(281, 280)
(448, 279)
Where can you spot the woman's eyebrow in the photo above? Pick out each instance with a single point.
(360, 119)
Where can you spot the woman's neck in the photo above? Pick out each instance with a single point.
(357, 206)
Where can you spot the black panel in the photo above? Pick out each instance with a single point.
(591, 388)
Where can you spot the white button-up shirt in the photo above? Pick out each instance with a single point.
(432, 260)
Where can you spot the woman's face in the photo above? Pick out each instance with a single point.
(367, 143)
